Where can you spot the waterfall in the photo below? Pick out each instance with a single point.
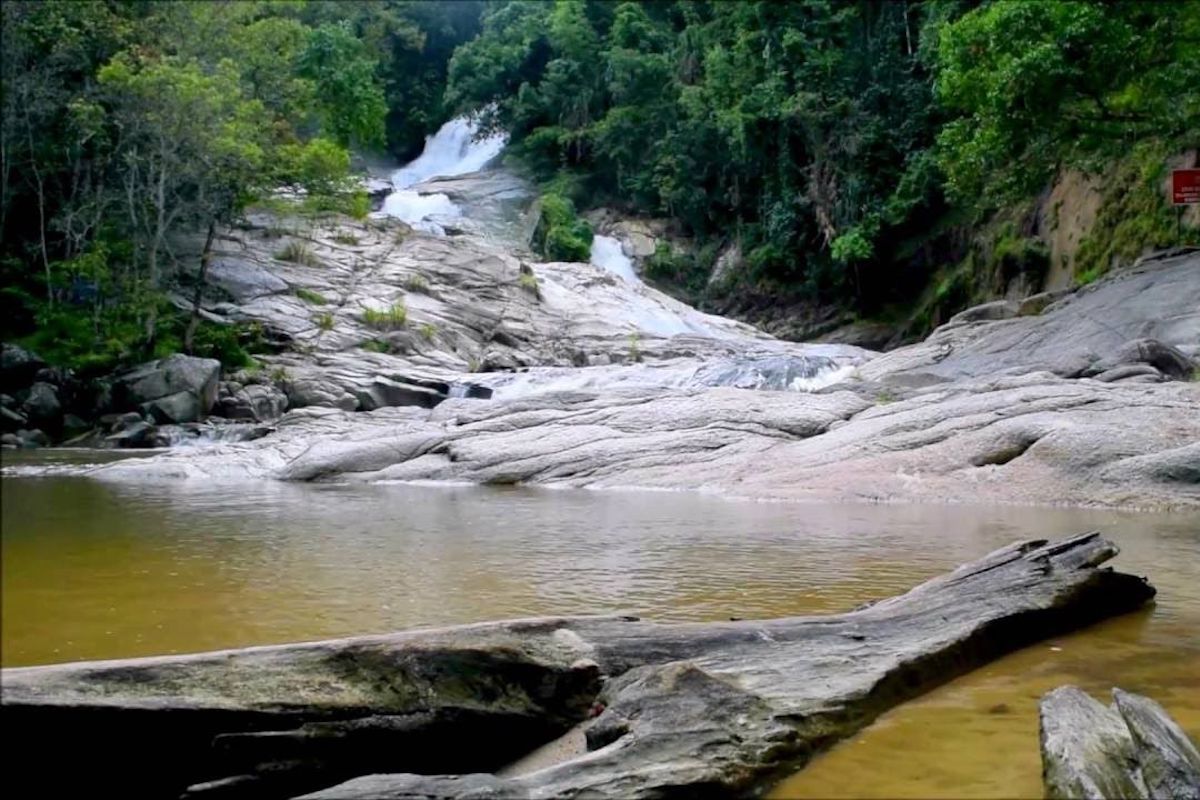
(608, 254)
(453, 150)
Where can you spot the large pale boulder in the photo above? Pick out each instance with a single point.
(1131, 749)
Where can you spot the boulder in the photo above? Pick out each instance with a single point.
(997, 309)
(11, 420)
(1131, 749)
(243, 279)
(384, 392)
(159, 387)
(1037, 303)
(18, 367)
(174, 408)
(1168, 360)
(42, 407)
(74, 425)
(32, 439)
(138, 434)
(306, 392)
(120, 422)
(258, 402)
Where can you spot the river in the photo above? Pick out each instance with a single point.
(98, 570)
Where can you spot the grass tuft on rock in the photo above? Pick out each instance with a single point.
(309, 296)
(417, 283)
(298, 253)
(387, 320)
(529, 282)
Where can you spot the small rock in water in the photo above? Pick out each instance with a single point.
(1000, 708)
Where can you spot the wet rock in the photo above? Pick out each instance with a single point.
(120, 422)
(258, 402)
(73, 425)
(18, 367)
(997, 309)
(1127, 371)
(309, 392)
(243, 279)
(1037, 303)
(384, 392)
(1164, 358)
(10, 441)
(178, 388)
(1132, 749)
(11, 420)
(42, 406)
(174, 408)
(32, 439)
(136, 434)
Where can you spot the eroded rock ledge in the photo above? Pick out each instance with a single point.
(679, 708)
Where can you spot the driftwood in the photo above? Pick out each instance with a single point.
(688, 709)
(1132, 749)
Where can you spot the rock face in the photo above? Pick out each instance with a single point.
(175, 389)
(1131, 749)
(18, 367)
(257, 402)
(592, 380)
(680, 709)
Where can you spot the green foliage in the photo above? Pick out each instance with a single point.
(298, 253)
(376, 346)
(560, 234)
(338, 63)
(427, 331)
(324, 321)
(130, 126)
(309, 296)
(229, 344)
(529, 282)
(635, 348)
(1134, 215)
(346, 239)
(1042, 85)
(391, 318)
(416, 283)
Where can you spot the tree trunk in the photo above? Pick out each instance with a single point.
(205, 256)
(683, 709)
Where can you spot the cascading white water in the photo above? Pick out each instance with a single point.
(608, 254)
(453, 150)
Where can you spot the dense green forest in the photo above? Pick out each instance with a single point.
(129, 124)
(850, 149)
(836, 142)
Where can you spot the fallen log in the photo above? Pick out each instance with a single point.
(698, 708)
(1131, 749)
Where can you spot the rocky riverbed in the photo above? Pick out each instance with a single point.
(506, 370)
(447, 352)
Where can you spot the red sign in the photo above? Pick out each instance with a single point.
(1185, 187)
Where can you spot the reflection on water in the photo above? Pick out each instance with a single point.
(93, 570)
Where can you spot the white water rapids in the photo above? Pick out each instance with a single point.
(627, 305)
(453, 150)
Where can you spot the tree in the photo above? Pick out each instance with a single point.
(1036, 86)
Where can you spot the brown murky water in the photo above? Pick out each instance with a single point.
(93, 570)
